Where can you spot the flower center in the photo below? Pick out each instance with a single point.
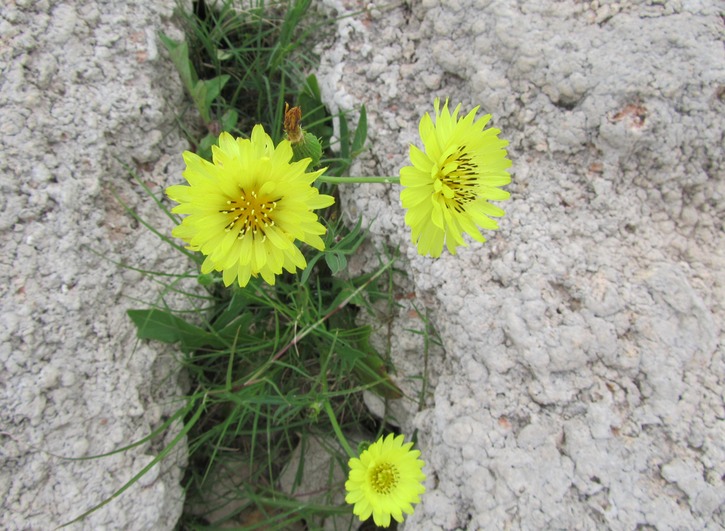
(458, 179)
(384, 478)
(250, 213)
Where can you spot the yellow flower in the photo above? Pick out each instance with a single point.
(446, 190)
(247, 208)
(385, 480)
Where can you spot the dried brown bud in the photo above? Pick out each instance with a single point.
(292, 120)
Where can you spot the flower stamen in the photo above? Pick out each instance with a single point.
(256, 214)
(458, 174)
(384, 478)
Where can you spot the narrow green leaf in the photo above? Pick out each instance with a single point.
(157, 325)
(229, 120)
(361, 133)
(336, 262)
(162, 455)
(213, 89)
(203, 149)
(344, 140)
(232, 309)
(358, 355)
(237, 329)
(163, 326)
(198, 94)
(179, 53)
(333, 262)
(315, 117)
(310, 265)
(351, 241)
(312, 87)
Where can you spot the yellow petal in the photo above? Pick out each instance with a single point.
(463, 165)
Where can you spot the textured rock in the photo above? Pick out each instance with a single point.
(83, 92)
(582, 381)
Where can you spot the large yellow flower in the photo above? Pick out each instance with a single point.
(446, 190)
(385, 481)
(247, 208)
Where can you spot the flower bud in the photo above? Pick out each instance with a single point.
(304, 144)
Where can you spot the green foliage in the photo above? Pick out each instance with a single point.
(241, 64)
(335, 252)
(203, 92)
(317, 118)
(309, 148)
(267, 360)
(319, 122)
(160, 325)
(260, 48)
(270, 368)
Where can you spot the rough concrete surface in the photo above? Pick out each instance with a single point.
(582, 380)
(84, 89)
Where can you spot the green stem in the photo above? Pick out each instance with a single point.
(358, 180)
(337, 430)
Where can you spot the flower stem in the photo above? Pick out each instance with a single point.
(358, 180)
(336, 428)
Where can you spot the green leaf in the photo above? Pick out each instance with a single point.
(232, 309)
(163, 326)
(199, 95)
(371, 370)
(332, 262)
(351, 241)
(361, 133)
(179, 53)
(344, 289)
(203, 92)
(310, 265)
(344, 140)
(315, 117)
(229, 120)
(224, 55)
(358, 355)
(205, 144)
(336, 262)
(312, 88)
(213, 89)
(237, 329)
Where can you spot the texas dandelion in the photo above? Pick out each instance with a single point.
(385, 480)
(247, 209)
(448, 187)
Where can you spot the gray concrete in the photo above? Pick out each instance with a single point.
(583, 377)
(582, 381)
(84, 89)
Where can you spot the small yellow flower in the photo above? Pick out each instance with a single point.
(385, 481)
(446, 190)
(247, 208)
